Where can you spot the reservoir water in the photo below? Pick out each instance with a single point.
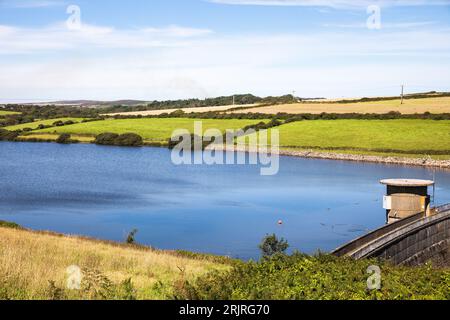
(105, 192)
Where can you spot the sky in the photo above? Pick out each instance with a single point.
(171, 49)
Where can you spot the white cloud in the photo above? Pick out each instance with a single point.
(16, 40)
(334, 3)
(396, 25)
(100, 62)
(29, 4)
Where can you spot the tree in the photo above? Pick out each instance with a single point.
(271, 246)
(131, 238)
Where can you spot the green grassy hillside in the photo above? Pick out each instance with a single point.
(149, 129)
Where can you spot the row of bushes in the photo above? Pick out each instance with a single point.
(293, 117)
(113, 139)
(59, 123)
(198, 141)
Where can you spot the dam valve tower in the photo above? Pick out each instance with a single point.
(405, 198)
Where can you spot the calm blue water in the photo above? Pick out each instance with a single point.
(105, 192)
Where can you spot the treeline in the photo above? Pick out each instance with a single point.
(292, 117)
(30, 113)
(241, 99)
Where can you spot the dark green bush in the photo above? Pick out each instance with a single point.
(173, 142)
(64, 138)
(113, 139)
(106, 138)
(131, 238)
(271, 246)
(6, 135)
(129, 140)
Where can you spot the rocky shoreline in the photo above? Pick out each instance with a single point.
(422, 162)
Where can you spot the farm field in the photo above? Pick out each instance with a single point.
(30, 261)
(35, 125)
(149, 129)
(410, 106)
(6, 113)
(391, 136)
(187, 110)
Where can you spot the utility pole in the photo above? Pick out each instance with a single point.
(234, 100)
(403, 92)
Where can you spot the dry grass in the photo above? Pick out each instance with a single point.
(410, 106)
(53, 137)
(187, 110)
(29, 260)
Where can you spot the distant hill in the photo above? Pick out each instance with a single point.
(97, 103)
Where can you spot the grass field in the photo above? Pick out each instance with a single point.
(410, 106)
(7, 113)
(149, 129)
(399, 135)
(34, 125)
(187, 110)
(30, 260)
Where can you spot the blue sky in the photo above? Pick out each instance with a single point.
(167, 49)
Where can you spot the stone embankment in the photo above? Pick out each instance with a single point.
(423, 162)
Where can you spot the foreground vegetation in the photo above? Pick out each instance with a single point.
(35, 265)
(322, 277)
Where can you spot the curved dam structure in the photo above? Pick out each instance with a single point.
(412, 241)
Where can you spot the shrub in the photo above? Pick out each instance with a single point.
(64, 138)
(172, 143)
(6, 135)
(271, 246)
(129, 140)
(106, 138)
(131, 238)
(113, 139)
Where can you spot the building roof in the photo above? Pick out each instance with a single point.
(407, 182)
